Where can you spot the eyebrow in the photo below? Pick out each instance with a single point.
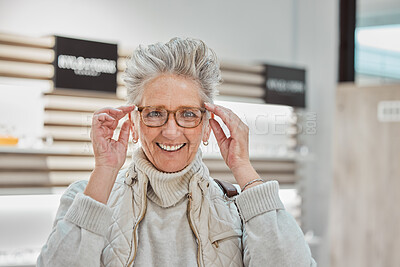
(179, 107)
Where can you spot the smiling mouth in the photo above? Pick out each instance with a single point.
(170, 148)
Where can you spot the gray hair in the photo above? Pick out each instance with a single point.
(188, 57)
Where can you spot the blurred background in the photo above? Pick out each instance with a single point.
(318, 83)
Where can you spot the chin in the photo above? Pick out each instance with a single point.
(172, 168)
(172, 165)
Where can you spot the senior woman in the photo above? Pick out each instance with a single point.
(165, 209)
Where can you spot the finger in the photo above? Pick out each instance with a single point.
(116, 113)
(231, 120)
(110, 111)
(104, 125)
(124, 133)
(126, 108)
(218, 132)
(103, 119)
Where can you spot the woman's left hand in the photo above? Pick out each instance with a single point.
(234, 149)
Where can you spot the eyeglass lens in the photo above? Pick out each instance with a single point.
(185, 117)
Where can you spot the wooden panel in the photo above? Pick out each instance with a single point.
(240, 99)
(66, 163)
(124, 52)
(75, 103)
(80, 148)
(68, 133)
(23, 178)
(26, 70)
(121, 63)
(45, 85)
(70, 163)
(16, 162)
(241, 90)
(242, 78)
(72, 133)
(41, 179)
(12, 39)
(365, 218)
(259, 165)
(238, 67)
(71, 118)
(76, 148)
(62, 178)
(122, 92)
(120, 81)
(28, 54)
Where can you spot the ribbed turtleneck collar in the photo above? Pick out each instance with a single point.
(166, 189)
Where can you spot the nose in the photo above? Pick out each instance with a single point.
(171, 130)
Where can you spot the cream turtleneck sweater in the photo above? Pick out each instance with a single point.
(165, 236)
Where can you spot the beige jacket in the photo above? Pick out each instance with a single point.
(252, 229)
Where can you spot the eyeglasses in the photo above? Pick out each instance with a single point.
(186, 117)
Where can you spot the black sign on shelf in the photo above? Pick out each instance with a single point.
(85, 65)
(285, 86)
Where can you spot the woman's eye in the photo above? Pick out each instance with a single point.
(154, 114)
(189, 114)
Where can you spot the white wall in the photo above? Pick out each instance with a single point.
(289, 32)
(218, 23)
(318, 48)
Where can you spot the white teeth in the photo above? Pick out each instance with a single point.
(171, 148)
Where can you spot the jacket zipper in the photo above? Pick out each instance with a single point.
(216, 244)
(135, 228)
(193, 230)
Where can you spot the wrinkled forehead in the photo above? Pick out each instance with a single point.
(171, 92)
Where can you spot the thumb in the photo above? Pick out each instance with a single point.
(124, 133)
(218, 132)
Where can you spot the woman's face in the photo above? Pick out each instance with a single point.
(171, 92)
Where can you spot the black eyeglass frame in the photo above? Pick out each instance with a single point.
(140, 109)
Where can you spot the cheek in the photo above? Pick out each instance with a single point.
(147, 134)
(194, 136)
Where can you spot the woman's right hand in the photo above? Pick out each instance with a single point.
(110, 153)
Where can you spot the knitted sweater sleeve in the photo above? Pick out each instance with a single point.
(77, 237)
(271, 236)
